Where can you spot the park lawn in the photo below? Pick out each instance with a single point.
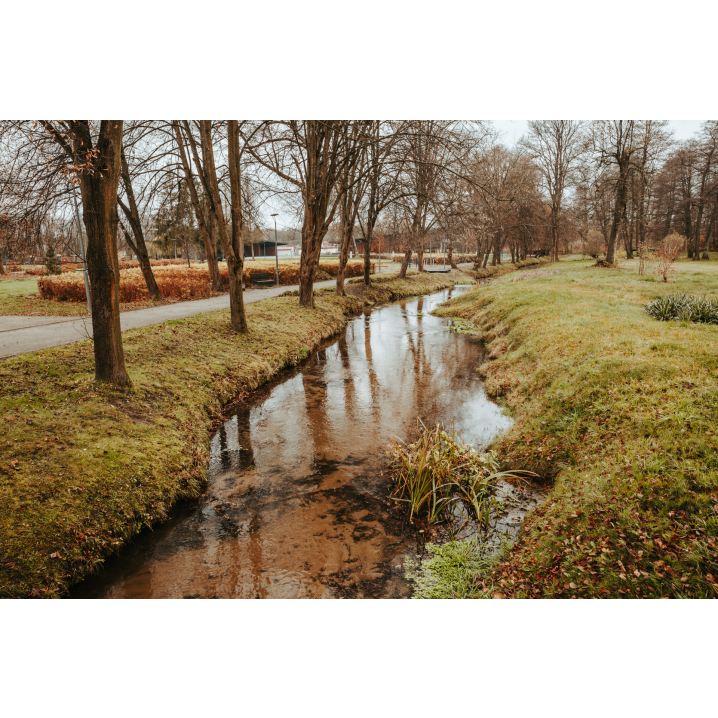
(84, 467)
(619, 413)
(20, 297)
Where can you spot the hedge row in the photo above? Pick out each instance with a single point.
(176, 282)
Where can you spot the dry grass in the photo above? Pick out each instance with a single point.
(617, 411)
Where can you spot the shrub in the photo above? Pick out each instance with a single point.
(674, 307)
(594, 244)
(175, 282)
(51, 263)
(667, 254)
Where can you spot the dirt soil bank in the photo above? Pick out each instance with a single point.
(83, 467)
(619, 412)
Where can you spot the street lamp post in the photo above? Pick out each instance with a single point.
(276, 250)
(82, 253)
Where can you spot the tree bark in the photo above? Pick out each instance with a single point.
(98, 187)
(368, 241)
(407, 257)
(235, 263)
(619, 209)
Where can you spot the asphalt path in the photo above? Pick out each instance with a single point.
(19, 335)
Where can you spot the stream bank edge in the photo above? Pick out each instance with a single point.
(84, 468)
(618, 411)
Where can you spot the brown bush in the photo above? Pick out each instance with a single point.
(175, 282)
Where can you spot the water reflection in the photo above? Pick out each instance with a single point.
(296, 503)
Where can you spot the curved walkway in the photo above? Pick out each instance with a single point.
(19, 335)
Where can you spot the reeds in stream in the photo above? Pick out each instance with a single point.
(439, 470)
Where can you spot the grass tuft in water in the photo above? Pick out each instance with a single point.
(451, 571)
(438, 470)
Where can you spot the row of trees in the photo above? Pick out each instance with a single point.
(183, 182)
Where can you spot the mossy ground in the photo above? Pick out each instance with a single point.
(84, 467)
(619, 412)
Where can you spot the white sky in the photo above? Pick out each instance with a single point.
(512, 130)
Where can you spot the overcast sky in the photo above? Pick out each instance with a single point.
(512, 130)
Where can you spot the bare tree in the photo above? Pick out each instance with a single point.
(139, 247)
(204, 220)
(96, 160)
(615, 142)
(556, 146)
(311, 156)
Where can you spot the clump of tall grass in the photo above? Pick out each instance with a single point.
(439, 470)
(683, 307)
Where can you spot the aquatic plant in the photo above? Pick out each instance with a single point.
(439, 470)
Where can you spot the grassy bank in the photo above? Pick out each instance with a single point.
(499, 270)
(83, 468)
(618, 412)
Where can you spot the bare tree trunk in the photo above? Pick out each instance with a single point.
(368, 241)
(420, 252)
(311, 249)
(99, 213)
(407, 257)
(688, 227)
(234, 263)
(618, 212)
(138, 246)
(343, 259)
(710, 233)
(554, 237)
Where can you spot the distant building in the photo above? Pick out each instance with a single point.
(329, 248)
(267, 249)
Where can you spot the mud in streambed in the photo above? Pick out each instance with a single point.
(296, 505)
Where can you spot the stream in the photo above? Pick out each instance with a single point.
(296, 504)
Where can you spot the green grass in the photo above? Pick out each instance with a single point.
(450, 572)
(618, 412)
(84, 467)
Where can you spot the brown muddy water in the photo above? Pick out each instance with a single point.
(296, 504)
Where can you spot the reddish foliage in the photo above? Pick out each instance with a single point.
(173, 282)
